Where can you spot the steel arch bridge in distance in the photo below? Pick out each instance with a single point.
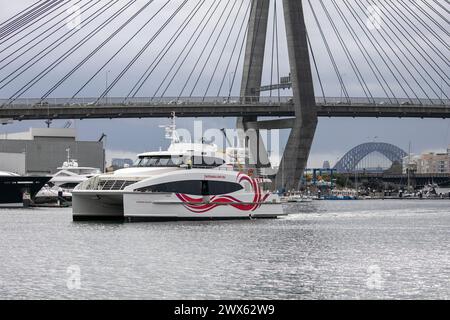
(351, 159)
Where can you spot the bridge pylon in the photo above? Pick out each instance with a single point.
(251, 80)
(299, 144)
(304, 124)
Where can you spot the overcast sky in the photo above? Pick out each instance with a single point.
(334, 136)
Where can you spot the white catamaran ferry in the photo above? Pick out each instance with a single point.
(188, 181)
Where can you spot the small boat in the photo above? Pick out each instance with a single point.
(298, 198)
(50, 194)
(346, 194)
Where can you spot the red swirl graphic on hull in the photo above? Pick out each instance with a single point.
(197, 205)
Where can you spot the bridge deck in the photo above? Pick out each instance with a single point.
(83, 109)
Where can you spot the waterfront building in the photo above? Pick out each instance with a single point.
(42, 150)
(430, 162)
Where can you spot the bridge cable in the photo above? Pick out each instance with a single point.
(36, 37)
(272, 52)
(330, 53)
(235, 46)
(23, 15)
(208, 16)
(59, 6)
(421, 22)
(377, 46)
(277, 49)
(23, 21)
(437, 12)
(92, 53)
(240, 55)
(413, 55)
(20, 26)
(398, 11)
(425, 39)
(431, 18)
(275, 59)
(224, 46)
(20, 14)
(316, 67)
(123, 46)
(74, 48)
(162, 54)
(442, 7)
(42, 54)
(352, 62)
(359, 3)
(428, 58)
(213, 48)
(255, 34)
(370, 62)
(144, 48)
(204, 47)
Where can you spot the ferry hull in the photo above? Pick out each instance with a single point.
(97, 206)
(143, 206)
(149, 207)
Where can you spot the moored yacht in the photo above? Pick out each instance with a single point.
(188, 181)
(68, 176)
(14, 187)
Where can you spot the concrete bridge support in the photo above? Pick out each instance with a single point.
(298, 147)
(251, 79)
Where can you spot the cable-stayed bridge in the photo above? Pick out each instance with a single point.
(213, 58)
(85, 108)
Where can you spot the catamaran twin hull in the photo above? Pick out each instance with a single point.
(184, 195)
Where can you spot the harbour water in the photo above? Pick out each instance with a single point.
(324, 250)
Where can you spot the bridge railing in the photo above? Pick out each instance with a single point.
(380, 101)
(147, 101)
(198, 101)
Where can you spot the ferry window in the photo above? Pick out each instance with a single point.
(151, 162)
(195, 187)
(158, 161)
(164, 162)
(221, 187)
(177, 160)
(68, 185)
